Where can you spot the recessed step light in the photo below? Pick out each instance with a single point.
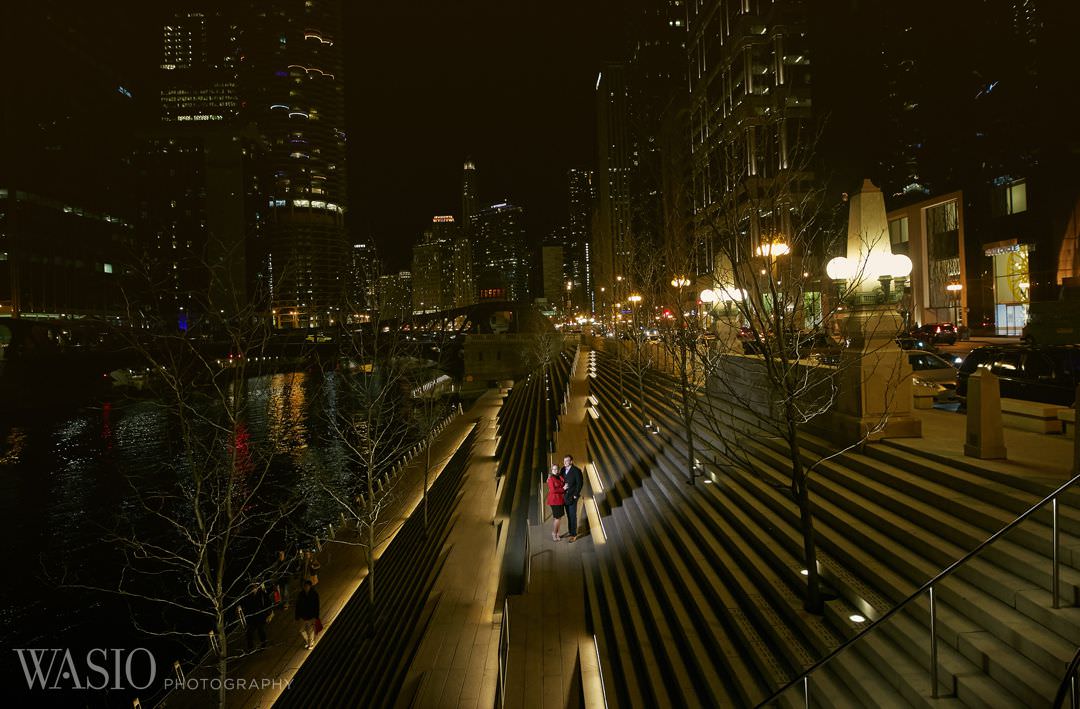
(856, 618)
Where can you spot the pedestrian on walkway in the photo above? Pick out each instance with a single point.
(307, 612)
(257, 610)
(574, 481)
(556, 499)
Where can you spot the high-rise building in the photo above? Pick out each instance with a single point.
(556, 292)
(577, 245)
(749, 111)
(200, 196)
(395, 295)
(294, 89)
(958, 87)
(435, 277)
(67, 236)
(199, 66)
(611, 240)
(470, 202)
(464, 285)
(363, 284)
(499, 255)
(200, 207)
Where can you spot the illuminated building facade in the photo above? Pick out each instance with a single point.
(295, 92)
(500, 258)
(434, 273)
(576, 245)
(394, 291)
(749, 111)
(199, 68)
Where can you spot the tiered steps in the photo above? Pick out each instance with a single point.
(887, 521)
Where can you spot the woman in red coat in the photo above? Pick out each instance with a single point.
(556, 485)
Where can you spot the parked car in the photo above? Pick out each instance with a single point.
(1044, 373)
(930, 368)
(908, 342)
(937, 333)
(804, 345)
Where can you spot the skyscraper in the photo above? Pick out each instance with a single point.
(199, 192)
(577, 246)
(199, 68)
(295, 92)
(611, 239)
(749, 110)
(395, 295)
(66, 215)
(470, 202)
(436, 262)
(499, 255)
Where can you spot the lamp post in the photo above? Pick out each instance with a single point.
(870, 280)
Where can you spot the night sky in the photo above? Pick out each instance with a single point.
(508, 82)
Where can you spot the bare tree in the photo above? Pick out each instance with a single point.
(684, 333)
(369, 423)
(767, 239)
(430, 407)
(644, 274)
(193, 545)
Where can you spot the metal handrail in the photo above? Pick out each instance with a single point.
(928, 586)
(1068, 684)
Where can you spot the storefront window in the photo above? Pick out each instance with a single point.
(1011, 288)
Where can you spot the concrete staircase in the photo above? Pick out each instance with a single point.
(697, 596)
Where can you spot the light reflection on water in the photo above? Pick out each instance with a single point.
(67, 480)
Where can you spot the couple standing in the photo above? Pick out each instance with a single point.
(564, 489)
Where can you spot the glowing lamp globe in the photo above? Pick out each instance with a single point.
(709, 296)
(839, 269)
(901, 266)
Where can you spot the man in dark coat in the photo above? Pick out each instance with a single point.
(574, 481)
(307, 612)
(256, 607)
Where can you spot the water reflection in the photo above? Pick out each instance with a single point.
(69, 481)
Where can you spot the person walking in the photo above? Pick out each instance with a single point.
(257, 608)
(307, 612)
(574, 481)
(556, 499)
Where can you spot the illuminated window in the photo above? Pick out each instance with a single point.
(1009, 198)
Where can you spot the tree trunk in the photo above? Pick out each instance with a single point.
(223, 659)
(688, 422)
(427, 468)
(371, 566)
(801, 492)
(641, 396)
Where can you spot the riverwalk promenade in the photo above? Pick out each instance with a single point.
(260, 677)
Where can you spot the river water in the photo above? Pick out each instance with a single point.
(68, 479)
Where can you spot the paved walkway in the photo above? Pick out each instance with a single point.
(456, 664)
(549, 640)
(1043, 457)
(343, 568)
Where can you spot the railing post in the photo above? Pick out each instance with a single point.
(1056, 575)
(933, 646)
(806, 691)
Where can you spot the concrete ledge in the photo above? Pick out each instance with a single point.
(1068, 421)
(1031, 416)
(923, 397)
